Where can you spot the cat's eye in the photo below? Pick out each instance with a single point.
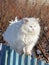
(31, 26)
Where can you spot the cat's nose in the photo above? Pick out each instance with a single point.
(32, 29)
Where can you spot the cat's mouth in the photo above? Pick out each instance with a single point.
(31, 33)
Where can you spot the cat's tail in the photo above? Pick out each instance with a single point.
(13, 21)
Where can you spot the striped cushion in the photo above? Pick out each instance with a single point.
(10, 57)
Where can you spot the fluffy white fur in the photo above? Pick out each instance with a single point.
(23, 35)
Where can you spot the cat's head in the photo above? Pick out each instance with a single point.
(31, 25)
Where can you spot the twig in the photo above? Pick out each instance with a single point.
(43, 52)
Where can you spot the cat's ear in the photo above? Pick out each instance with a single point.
(25, 20)
(38, 20)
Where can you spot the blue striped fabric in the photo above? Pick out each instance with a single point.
(10, 57)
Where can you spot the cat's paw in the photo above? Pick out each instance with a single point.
(28, 52)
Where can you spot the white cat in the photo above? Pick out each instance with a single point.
(23, 35)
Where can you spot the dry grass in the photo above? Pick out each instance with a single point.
(9, 9)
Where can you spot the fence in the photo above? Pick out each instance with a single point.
(10, 57)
